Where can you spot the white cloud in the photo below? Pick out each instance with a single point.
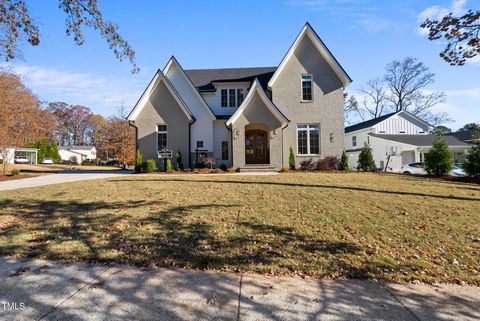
(438, 12)
(103, 94)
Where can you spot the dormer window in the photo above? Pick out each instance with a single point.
(307, 91)
(231, 97)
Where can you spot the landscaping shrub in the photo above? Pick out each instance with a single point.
(169, 166)
(223, 167)
(328, 163)
(472, 161)
(284, 169)
(138, 161)
(231, 169)
(438, 160)
(149, 166)
(89, 162)
(178, 158)
(365, 160)
(291, 159)
(209, 161)
(15, 172)
(344, 165)
(307, 165)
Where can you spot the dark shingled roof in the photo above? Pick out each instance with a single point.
(368, 123)
(76, 147)
(420, 140)
(465, 135)
(203, 78)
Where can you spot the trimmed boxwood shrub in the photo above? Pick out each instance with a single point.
(149, 166)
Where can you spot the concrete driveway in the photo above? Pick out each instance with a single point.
(44, 290)
(62, 177)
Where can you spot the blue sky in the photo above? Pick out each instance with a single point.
(363, 35)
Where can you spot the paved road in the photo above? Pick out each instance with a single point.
(43, 290)
(63, 177)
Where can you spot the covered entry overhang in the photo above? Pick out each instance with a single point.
(257, 130)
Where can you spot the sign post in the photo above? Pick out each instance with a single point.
(165, 154)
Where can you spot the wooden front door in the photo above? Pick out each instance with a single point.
(256, 147)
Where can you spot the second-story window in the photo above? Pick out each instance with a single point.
(239, 97)
(161, 137)
(307, 91)
(224, 98)
(231, 98)
(354, 141)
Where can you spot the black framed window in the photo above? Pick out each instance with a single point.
(307, 91)
(224, 150)
(308, 139)
(162, 137)
(224, 98)
(231, 98)
(199, 143)
(239, 96)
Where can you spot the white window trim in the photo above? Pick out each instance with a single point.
(308, 129)
(356, 143)
(160, 132)
(301, 88)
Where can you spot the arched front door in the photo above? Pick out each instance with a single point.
(256, 149)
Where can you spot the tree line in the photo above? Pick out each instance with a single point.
(26, 120)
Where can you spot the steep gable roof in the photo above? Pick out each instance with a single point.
(307, 31)
(375, 121)
(257, 88)
(157, 79)
(203, 79)
(174, 62)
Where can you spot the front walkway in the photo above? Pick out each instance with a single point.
(44, 290)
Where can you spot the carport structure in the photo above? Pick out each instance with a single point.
(30, 153)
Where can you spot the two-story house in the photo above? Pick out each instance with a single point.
(397, 139)
(246, 117)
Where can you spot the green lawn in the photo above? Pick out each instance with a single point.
(354, 225)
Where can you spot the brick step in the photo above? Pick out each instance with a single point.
(258, 168)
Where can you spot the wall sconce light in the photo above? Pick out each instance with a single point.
(331, 138)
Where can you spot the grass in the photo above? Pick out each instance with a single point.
(354, 225)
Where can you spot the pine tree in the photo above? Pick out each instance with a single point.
(138, 161)
(344, 162)
(291, 159)
(438, 160)
(472, 161)
(365, 159)
(178, 157)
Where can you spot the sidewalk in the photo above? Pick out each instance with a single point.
(44, 290)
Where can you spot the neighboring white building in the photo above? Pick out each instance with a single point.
(77, 154)
(397, 139)
(20, 155)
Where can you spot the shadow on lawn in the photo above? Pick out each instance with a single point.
(174, 236)
(352, 188)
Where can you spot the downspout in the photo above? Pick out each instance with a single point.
(231, 141)
(189, 145)
(132, 123)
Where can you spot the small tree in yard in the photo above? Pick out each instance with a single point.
(178, 157)
(438, 160)
(169, 166)
(291, 159)
(365, 160)
(344, 162)
(138, 161)
(472, 161)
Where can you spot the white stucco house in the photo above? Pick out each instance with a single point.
(77, 154)
(397, 139)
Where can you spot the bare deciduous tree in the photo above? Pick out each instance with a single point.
(16, 23)
(375, 101)
(461, 34)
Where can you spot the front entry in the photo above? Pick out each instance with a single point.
(256, 149)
